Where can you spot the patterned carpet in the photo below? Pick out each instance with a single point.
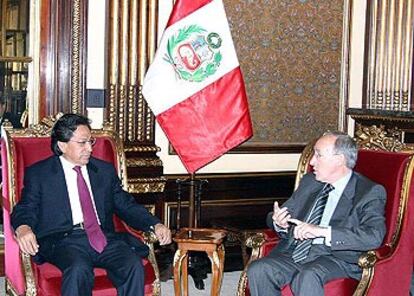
(228, 287)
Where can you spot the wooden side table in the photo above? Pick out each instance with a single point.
(199, 239)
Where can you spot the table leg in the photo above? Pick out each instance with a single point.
(179, 256)
(221, 255)
(184, 274)
(215, 270)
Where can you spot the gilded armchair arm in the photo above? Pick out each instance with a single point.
(149, 238)
(367, 262)
(255, 242)
(28, 275)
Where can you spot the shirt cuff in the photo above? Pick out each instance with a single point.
(328, 237)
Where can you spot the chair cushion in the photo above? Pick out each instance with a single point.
(49, 280)
(339, 287)
(25, 151)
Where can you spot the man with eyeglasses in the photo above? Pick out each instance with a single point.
(65, 215)
(333, 216)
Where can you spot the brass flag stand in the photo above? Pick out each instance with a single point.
(195, 188)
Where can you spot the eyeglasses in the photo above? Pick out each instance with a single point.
(319, 156)
(91, 141)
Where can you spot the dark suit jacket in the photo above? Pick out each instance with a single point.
(45, 205)
(358, 222)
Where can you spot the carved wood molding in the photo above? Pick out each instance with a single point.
(383, 129)
(146, 185)
(132, 42)
(144, 162)
(380, 138)
(42, 129)
(77, 56)
(142, 149)
(388, 66)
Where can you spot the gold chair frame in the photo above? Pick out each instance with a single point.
(367, 260)
(43, 129)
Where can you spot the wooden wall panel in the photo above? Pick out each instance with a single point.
(241, 200)
(388, 75)
(62, 56)
(132, 40)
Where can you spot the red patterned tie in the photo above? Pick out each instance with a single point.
(94, 232)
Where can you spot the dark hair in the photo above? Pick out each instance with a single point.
(63, 130)
(345, 145)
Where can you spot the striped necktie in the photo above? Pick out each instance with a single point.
(302, 249)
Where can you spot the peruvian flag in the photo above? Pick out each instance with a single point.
(195, 87)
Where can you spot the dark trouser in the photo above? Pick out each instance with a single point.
(76, 259)
(268, 275)
(412, 284)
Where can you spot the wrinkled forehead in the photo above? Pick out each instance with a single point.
(325, 143)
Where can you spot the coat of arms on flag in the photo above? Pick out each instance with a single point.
(194, 53)
(195, 87)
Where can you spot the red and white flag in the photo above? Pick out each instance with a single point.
(195, 87)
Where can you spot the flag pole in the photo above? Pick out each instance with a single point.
(192, 222)
(194, 200)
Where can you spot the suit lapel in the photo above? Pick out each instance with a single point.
(345, 203)
(304, 208)
(58, 173)
(96, 186)
(308, 204)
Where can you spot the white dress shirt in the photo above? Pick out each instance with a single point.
(330, 207)
(72, 187)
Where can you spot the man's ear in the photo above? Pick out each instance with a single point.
(62, 146)
(342, 159)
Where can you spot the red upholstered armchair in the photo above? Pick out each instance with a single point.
(386, 270)
(21, 148)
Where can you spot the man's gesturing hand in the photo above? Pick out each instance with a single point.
(305, 230)
(26, 240)
(280, 216)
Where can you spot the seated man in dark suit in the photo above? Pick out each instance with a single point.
(65, 215)
(333, 216)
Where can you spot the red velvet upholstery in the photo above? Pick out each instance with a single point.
(342, 286)
(49, 278)
(392, 271)
(26, 151)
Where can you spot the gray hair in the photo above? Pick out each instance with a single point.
(345, 145)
